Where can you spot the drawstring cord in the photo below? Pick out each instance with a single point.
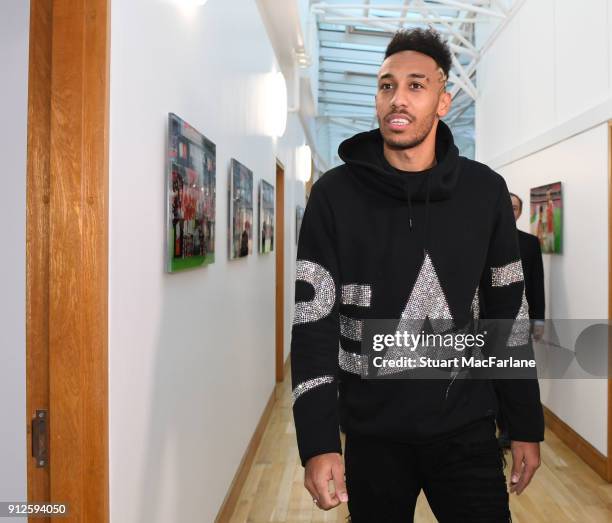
(409, 199)
(410, 215)
(426, 217)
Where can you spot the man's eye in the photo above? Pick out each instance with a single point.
(385, 87)
(416, 85)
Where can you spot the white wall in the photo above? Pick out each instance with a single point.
(191, 354)
(547, 77)
(577, 280)
(544, 98)
(14, 35)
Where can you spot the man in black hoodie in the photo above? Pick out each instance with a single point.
(408, 229)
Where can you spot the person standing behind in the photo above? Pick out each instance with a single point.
(533, 270)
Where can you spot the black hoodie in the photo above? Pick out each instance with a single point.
(376, 242)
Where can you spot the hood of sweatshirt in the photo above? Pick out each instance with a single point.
(363, 153)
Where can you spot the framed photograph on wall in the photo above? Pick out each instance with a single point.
(190, 197)
(546, 217)
(266, 217)
(240, 211)
(299, 214)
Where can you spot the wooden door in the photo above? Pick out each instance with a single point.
(67, 253)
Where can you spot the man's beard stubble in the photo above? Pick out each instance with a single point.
(422, 131)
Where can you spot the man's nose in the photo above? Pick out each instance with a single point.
(399, 99)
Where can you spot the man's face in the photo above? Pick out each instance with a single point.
(516, 207)
(410, 95)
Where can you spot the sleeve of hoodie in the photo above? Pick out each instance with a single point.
(504, 298)
(316, 332)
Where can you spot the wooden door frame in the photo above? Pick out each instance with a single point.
(279, 247)
(67, 251)
(37, 234)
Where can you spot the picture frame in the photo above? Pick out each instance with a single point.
(266, 217)
(190, 197)
(240, 231)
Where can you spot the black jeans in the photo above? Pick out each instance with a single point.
(461, 475)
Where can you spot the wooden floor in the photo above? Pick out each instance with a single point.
(564, 489)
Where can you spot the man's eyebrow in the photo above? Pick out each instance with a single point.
(410, 75)
(419, 75)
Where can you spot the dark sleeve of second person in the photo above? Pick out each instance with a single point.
(503, 292)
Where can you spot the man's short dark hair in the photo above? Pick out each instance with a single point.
(425, 41)
(519, 199)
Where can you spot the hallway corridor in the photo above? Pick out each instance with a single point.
(204, 196)
(565, 489)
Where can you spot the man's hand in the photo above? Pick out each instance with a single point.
(318, 472)
(525, 461)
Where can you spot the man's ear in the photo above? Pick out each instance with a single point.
(444, 104)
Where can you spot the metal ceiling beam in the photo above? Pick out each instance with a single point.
(340, 79)
(385, 23)
(347, 124)
(329, 35)
(339, 112)
(404, 13)
(340, 101)
(347, 88)
(345, 116)
(471, 8)
(387, 29)
(348, 61)
(453, 118)
(421, 19)
(382, 40)
(469, 87)
(366, 119)
(352, 72)
(330, 51)
(327, 73)
(346, 91)
(333, 96)
(453, 29)
(439, 6)
(366, 11)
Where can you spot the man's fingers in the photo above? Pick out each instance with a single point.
(340, 493)
(517, 467)
(525, 478)
(316, 495)
(325, 498)
(320, 470)
(525, 462)
(311, 485)
(311, 489)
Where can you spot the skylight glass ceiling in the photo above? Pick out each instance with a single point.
(353, 35)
